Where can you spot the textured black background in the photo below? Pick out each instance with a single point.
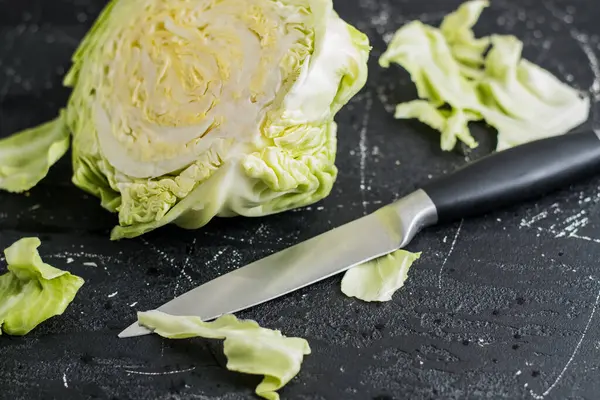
(503, 307)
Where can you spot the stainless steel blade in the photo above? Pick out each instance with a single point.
(330, 253)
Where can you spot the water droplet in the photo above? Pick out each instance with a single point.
(20, 29)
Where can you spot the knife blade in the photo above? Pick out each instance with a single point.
(493, 182)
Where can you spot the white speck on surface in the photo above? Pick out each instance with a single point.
(69, 260)
(429, 176)
(518, 373)
(320, 208)
(375, 151)
(90, 264)
(112, 295)
(133, 304)
(65, 382)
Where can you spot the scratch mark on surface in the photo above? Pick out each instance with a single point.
(158, 251)
(362, 145)
(180, 371)
(183, 273)
(112, 294)
(69, 255)
(564, 370)
(449, 253)
(586, 238)
(65, 382)
(216, 257)
(584, 44)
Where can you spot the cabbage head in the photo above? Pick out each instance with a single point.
(183, 110)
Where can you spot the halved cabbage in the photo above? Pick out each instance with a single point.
(183, 110)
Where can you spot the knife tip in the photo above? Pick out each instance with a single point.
(133, 330)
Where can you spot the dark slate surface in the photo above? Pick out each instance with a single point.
(500, 307)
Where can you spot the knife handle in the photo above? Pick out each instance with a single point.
(514, 175)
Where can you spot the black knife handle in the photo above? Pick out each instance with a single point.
(514, 175)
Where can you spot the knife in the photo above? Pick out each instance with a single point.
(498, 180)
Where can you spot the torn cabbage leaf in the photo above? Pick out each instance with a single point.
(461, 78)
(26, 158)
(184, 110)
(249, 348)
(379, 279)
(32, 291)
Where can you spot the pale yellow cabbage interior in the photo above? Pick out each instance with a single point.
(196, 73)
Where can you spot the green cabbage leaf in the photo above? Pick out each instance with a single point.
(26, 157)
(461, 78)
(379, 279)
(249, 348)
(32, 291)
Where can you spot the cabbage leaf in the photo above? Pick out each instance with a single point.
(461, 78)
(379, 279)
(32, 291)
(248, 347)
(26, 157)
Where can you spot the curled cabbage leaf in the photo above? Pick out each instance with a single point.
(184, 110)
(32, 291)
(249, 348)
(461, 78)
